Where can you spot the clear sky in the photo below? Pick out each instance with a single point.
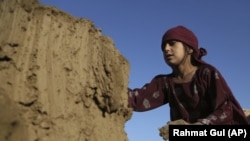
(136, 27)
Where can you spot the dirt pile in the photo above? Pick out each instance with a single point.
(61, 79)
(247, 112)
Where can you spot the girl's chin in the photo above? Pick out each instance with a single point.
(170, 63)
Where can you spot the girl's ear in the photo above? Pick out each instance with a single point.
(190, 50)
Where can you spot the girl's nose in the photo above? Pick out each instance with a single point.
(166, 48)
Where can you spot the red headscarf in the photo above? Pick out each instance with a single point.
(183, 34)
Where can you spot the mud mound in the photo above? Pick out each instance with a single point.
(61, 79)
(247, 112)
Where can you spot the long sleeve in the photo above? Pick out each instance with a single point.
(150, 96)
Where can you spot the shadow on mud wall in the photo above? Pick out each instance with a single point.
(12, 127)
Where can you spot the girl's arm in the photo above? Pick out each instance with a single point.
(150, 96)
(223, 104)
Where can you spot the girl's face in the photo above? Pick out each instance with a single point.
(175, 53)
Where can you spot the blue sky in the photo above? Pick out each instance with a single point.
(136, 27)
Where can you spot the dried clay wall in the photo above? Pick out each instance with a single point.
(61, 79)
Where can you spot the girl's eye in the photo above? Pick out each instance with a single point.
(171, 43)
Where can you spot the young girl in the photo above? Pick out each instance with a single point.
(195, 90)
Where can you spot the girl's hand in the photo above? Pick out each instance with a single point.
(164, 131)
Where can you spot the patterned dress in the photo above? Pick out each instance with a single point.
(206, 98)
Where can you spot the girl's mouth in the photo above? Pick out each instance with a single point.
(169, 56)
